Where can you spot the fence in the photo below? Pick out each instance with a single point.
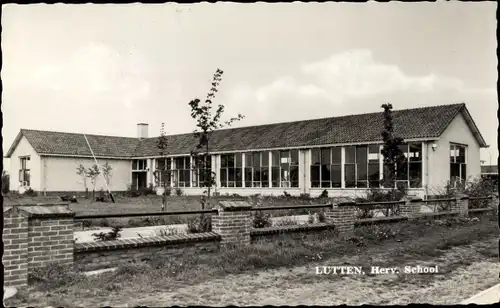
(37, 235)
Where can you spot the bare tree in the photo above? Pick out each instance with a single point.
(162, 145)
(80, 170)
(92, 173)
(206, 123)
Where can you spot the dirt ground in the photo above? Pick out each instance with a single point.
(463, 272)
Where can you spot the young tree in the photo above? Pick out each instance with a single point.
(162, 145)
(80, 170)
(393, 156)
(206, 123)
(92, 173)
(107, 172)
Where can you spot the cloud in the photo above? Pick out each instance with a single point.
(96, 72)
(351, 75)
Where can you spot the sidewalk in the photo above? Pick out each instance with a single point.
(489, 296)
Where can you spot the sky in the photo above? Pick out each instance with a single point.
(101, 69)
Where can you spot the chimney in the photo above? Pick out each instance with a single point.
(142, 130)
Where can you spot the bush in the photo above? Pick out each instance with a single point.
(261, 220)
(321, 217)
(114, 234)
(285, 222)
(168, 191)
(5, 182)
(178, 191)
(324, 194)
(146, 191)
(30, 192)
(305, 197)
(286, 195)
(310, 218)
(200, 224)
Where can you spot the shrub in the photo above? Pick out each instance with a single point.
(261, 220)
(178, 191)
(286, 195)
(321, 217)
(324, 194)
(114, 234)
(146, 191)
(305, 196)
(5, 182)
(200, 224)
(168, 191)
(133, 193)
(30, 192)
(285, 222)
(310, 218)
(169, 231)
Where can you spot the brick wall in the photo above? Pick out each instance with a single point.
(51, 240)
(15, 255)
(343, 217)
(233, 222)
(461, 205)
(411, 207)
(98, 255)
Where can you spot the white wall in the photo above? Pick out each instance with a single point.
(59, 174)
(439, 160)
(24, 148)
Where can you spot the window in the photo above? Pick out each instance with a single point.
(231, 170)
(202, 171)
(163, 171)
(139, 164)
(24, 171)
(257, 169)
(409, 173)
(285, 168)
(182, 171)
(374, 166)
(326, 167)
(458, 164)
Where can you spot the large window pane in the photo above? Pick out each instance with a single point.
(460, 154)
(315, 157)
(275, 158)
(402, 172)
(362, 174)
(285, 172)
(463, 172)
(373, 153)
(325, 156)
(374, 175)
(265, 159)
(248, 177)
(415, 175)
(294, 176)
(315, 180)
(265, 176)
(230, 160)
(325, 176)
(248, 159)
(350, 175)
(350, 155)
(294, 156)
(336, 155)
(336, 176)
(284, 157)
(238, 160)
(415, 152)
(275, 176)
(239, 177)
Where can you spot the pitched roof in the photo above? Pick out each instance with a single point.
(425, 122)
(489, 169)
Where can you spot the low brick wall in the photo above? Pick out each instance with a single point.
(267, 232)
(106, 254)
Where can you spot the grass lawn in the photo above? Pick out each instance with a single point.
(152, 203)
(281, 270)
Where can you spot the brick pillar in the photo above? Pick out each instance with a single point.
(15, 241)
(461, 204)
(233, 222)
(342, 215)
(411, 207)
(50, 235)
